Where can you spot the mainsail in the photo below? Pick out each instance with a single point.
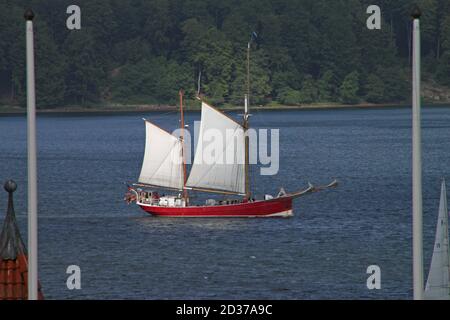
(162, 165)
(438, 285)
(219, 162)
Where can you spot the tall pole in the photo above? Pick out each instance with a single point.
(417, 161)
(185, 195)
(246, 125)
(32, 167)
(248, 71)
(247, 166)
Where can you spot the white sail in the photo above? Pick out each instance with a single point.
(162, 165)
(438, 285)
(219, 162)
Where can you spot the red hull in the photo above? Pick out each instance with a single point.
(280, 207)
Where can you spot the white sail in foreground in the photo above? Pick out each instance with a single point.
(162, 165)
(438, 286)
(219, 162)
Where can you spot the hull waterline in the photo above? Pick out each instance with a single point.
(279, 207)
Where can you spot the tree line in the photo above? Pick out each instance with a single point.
(144, 51)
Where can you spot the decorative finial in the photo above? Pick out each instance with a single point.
(28, 15)
(10, 186)
(416, 13)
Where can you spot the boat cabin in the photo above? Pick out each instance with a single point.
(155, 199)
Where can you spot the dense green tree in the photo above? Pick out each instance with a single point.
(160, 25)
(444, 38)
(137, 50)
(151, 81)
(208, 50)
(397, 83)
(283, 72)
(327, 87)
(308, 92)
(429, 26)
(50, 70)
(374, 89)
(349, 88)
(290, 97)
(260, 88)
(85, 70)
(443, 64)
(143, 51)
(12, 46)
(443, 69)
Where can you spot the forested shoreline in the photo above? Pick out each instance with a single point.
(142, 52)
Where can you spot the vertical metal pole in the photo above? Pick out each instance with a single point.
(248, 72)
(417, 162)
(246, 125)
(247, 144)
(185, 194)
(32, 167)
(246, 105)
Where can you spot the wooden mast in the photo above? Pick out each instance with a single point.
(185, 194)
(246, 125)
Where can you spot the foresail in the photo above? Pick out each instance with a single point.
(438, 285)
(162, 165)
(219, 162)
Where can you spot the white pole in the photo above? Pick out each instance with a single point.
(417, 162)
(246, 105)
(32, 167)
(248, 73)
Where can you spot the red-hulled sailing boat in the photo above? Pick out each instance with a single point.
(164, 166)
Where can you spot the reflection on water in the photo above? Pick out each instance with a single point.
(197, 223)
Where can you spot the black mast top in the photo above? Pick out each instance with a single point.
(28, 15)
(416, 13)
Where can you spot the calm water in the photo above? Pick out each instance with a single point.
(322, 252)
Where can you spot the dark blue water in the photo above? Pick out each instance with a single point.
(322, 252)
